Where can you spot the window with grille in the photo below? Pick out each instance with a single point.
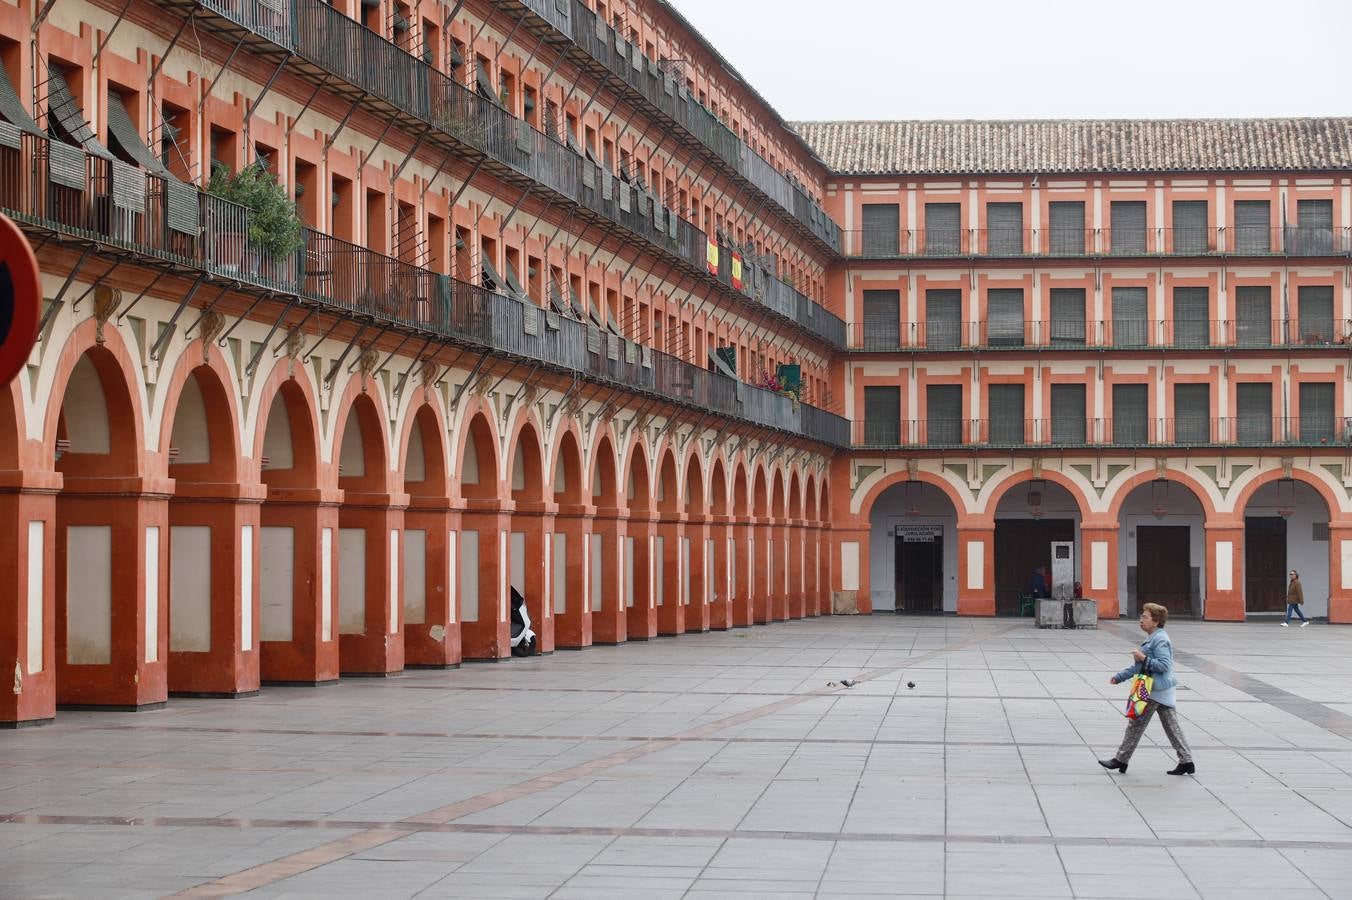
(1005, 403)
(1191, 311)
(1131, 322)
(1313, 232)
(1131, 414)
(943, 319)
(1067, 228)
(943, 229)
(1253, 315)
(1126, 234)
(1068, 414)
(1314, 309)
(882, 416)
(1253, 412)
(1004, 317)
(943, 411)
(1190, 229)
(1067, 324)
(1004, 229)
(1192, 413)
(1253, 222)
(882, 320)
(882, 229)
(1316, 412)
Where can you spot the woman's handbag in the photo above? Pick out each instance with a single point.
(1140, 695)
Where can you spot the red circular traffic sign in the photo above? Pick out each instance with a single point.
(20, 301)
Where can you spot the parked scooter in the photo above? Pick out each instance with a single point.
(523, 638)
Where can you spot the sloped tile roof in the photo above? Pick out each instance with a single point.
(1080, 145)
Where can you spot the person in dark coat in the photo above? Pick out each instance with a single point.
(1295, 596)
(1037, 585)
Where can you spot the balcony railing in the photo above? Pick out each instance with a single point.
(1125, 334)
(326, 38)
(1244, 431)
(53, 187)
(1286, 240)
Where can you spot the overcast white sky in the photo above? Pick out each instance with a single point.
(988, 59)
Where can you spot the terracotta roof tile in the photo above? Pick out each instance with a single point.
(1088, 145)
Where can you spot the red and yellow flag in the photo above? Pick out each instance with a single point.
(736, 270)
(711, 255)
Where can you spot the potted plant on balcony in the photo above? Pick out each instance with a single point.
(273, 231)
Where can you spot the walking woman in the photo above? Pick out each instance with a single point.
(1156, 659)
(1295, 596)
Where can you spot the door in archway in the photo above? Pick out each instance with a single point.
(920, 574)
(1164, 567)
(1264, 564)
(1021, 546)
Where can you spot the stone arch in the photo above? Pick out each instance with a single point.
(104, 439)
(695, 499)
(1263, 478)
(741, 504)
(760, 499)
(1286, 525)
(566, 480)
(1028, 514)
(666, 487)
(12, 429)
(1164, 521)
(777, 494)
(424, 470)
(526, 462)
(286, 447)
(604, 478)
(871, 495)
(199, 399)
(1123, 489)
(718, 488)
(638, 489)
(1000, 490)
(361, 462)
(795, 509)
(810, 510)
(478, 468)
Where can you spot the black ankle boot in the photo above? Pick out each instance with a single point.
(1183, 769)
(1114, 763)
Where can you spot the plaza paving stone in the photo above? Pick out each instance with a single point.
(716, 765)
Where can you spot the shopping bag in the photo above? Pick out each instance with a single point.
(1139, 696)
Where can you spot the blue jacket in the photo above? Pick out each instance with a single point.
(1159, 665)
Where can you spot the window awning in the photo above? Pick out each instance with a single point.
(121, 129)
(484, 83)
(579, 310)
(721, 365)
(493, 281)
(12, 108)
(61, 106)
(515, 286)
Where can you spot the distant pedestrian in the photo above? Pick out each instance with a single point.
(1037, 585)
(1295, 596)
(1154, 658)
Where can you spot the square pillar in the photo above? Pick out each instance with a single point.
(534, 522)
(849, 552)
(568, 593)
(1224, 564)
(762, 588)
(371, 635)
(485, 613)
(298, 590)
(743, 583)
(28, 624)
(697, 613)
(976, 570)
(797, 597)
(670, 609)
(431, 616)
(720, 592)
(1098, 568)
(1340, 572)
(612, 621)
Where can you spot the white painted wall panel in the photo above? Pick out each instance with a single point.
(277, 576)
(976, 565)
(849, 565)
(1225, 567)
(326, 583)
(452, 582)
(246, 608)
(36, 542)
(519, 561)
(597, 580)
(629, 571)
(190, 588)
(394, 581)
(152, 611)
(351, 580)
(469, 576)
(89, 608)
(1098, 565)
(659, 569)
(560, 562)
(685, 571)
(415, 577)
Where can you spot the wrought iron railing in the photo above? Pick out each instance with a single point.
(1314, 430)
(938, 335)
(53, 187)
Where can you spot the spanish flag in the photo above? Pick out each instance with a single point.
(736, 270)
(711, 255)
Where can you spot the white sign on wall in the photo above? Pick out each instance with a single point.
(920, 534)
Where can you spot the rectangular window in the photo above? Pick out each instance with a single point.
(882, 416)
(1131, 414)
(882, 320)
(1253, 315)
(1191, 322)
(1006, 413)
(943, 319)
(1314, 308)
(1253, 412)
(1068, 414)
(943, 411)
(1131, 322)
(1004, 317)
(1253, 220)
(1067, 324)
(1192, 413)
(1316, 412)
(1126, 234)
(1313, 232)
(1004, 229)
(882, 229)
(1190, 226)
(943, 229)
(1067, 228)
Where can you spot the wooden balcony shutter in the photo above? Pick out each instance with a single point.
(943, 229)
(1316, 411)
(1126, 234)
(1068, 414)
(1131, 320)
(882, 416)
(943, 414)
(1253, 412)
(1004, 317)
(882, 320)
(12, 108)
(1191, 309)
(1004, 229)
(1190, 226)
(943, 319)
(1253, 315)
(1314, 214)
(1006, 413)
(1131, 414)
(1067, 228)
(1067, 308)
(1253, 221)
(1314, 309)
(1192, 413)
(882, 229)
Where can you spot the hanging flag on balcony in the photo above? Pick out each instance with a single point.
(711, 255)
(736, 270)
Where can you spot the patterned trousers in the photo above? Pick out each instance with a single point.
(1172, 728)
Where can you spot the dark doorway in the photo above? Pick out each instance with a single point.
(1164, 567)
(920, 574)
(1021, 545)
(1264, 564)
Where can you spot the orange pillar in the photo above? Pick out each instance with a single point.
(1098, 566)
(612, 621)
(303, 647)
(849, 546)
(720, 592)
(534, 521)
(976, 569)
(371, 638)
(797, 597)
(485, 614)
(697, 613)
(669, 585)
(762, 587)
(743, 602)
(430, 616)
(1224, 572)
(112, 535)
(1340, 572)
(213, 589)
(27, 625)
(573, 616)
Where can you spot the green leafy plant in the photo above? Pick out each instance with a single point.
(274, 227)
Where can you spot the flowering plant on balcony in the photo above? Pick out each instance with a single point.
(274, 228)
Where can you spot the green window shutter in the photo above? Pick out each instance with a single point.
(943, 229)
(1131, 320)
(1192, 326)
(1068, 414)
(1192, 413)
(1253, 412)
(1314, 325)
(1127, 229)
(1190, 226)
(882, 416)
(1068, 323)
(1316, 412)
(1253, 315)
(1131, 414)
(1004, 317)
(882, 229)
(943, 319)
(1253, 226)
(943, 415)
(1004, 229)
(1067, 228)
(1006, 413)
(882, 320)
